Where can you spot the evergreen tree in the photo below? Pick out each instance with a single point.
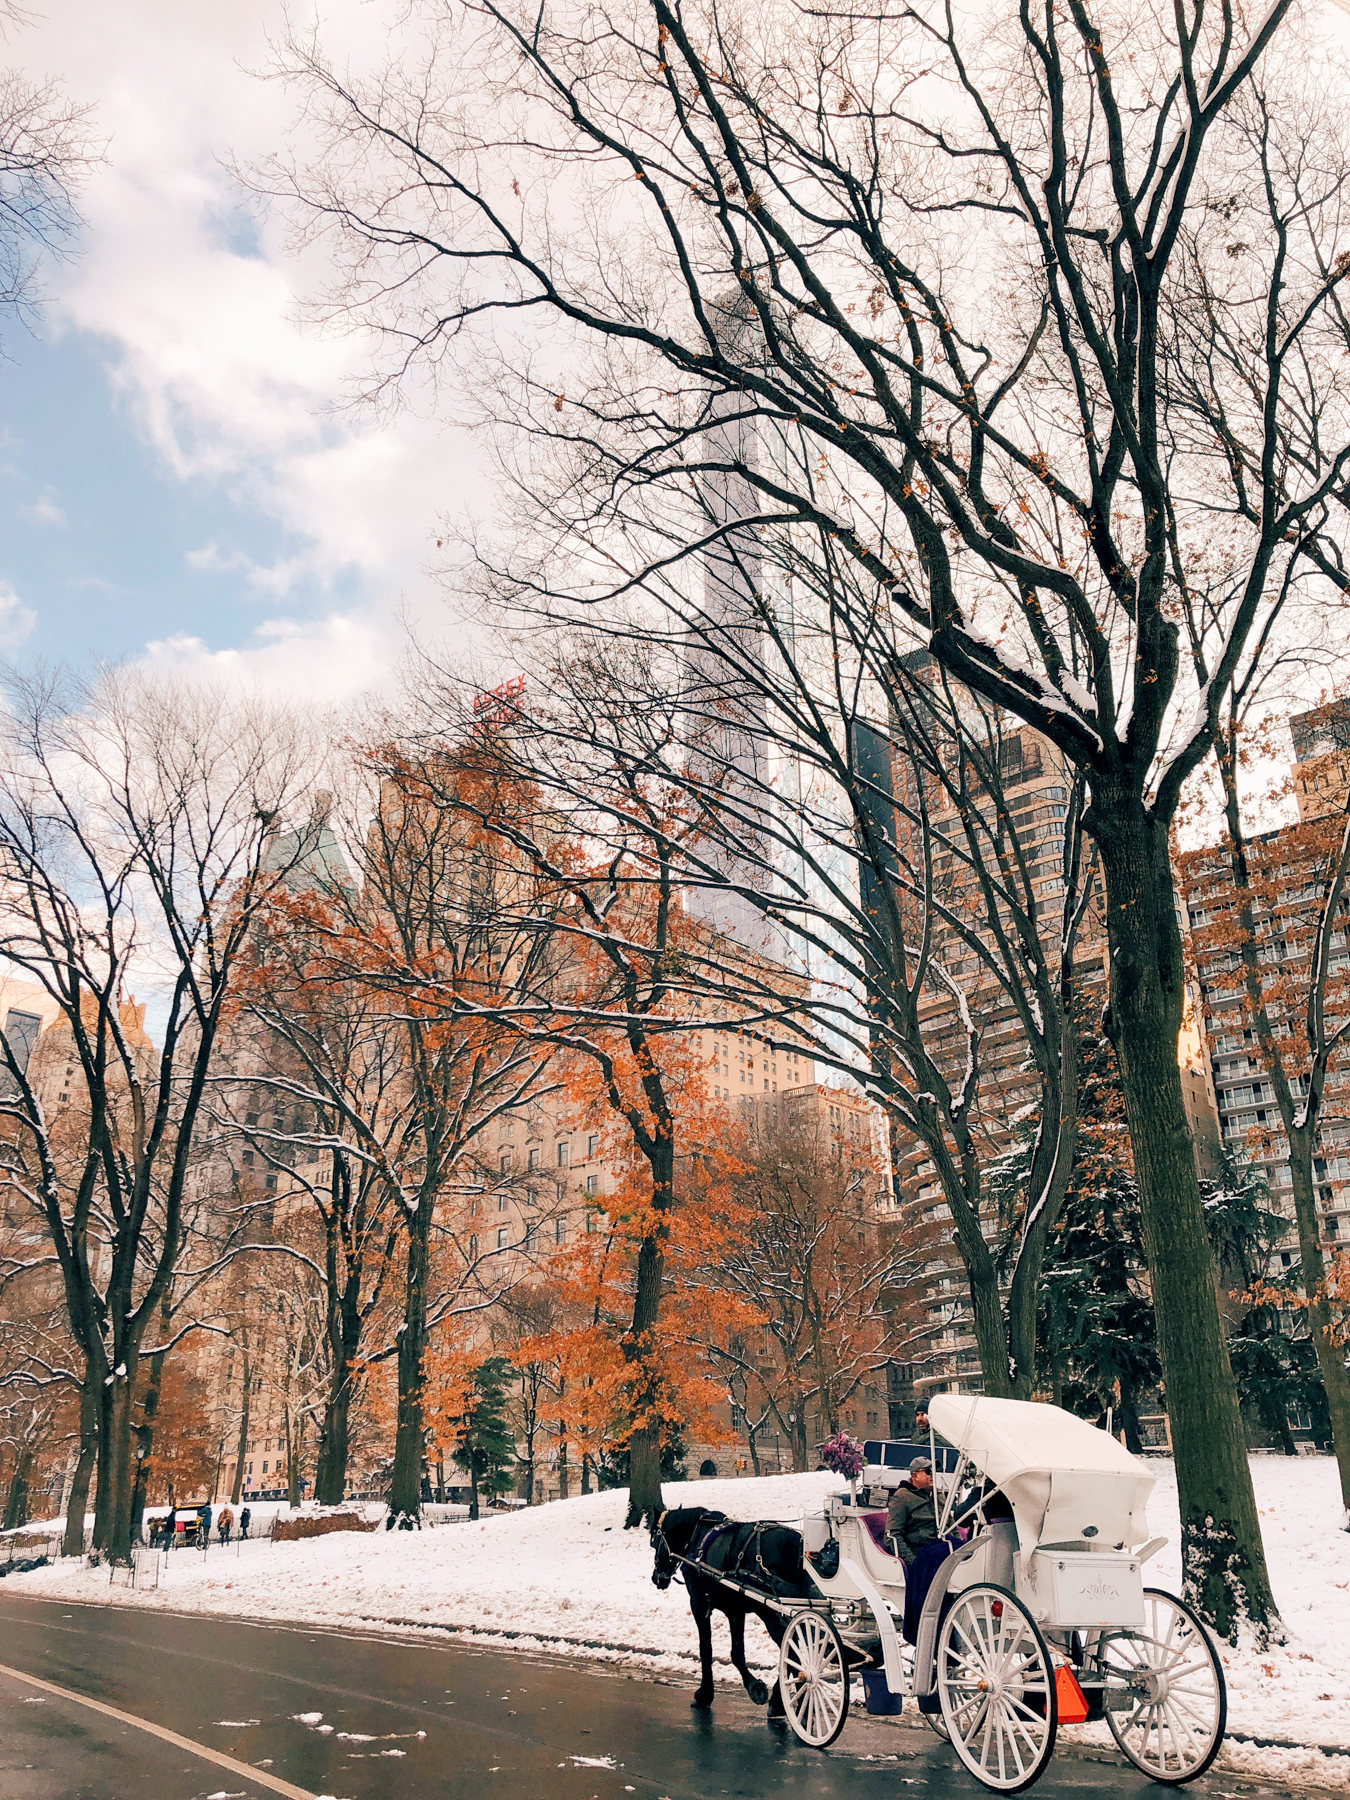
(484, 1445)
(1096, 1328)
(1274, 1359)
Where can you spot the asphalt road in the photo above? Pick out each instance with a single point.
(369, 1718)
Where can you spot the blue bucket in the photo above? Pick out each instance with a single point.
(878, 1697)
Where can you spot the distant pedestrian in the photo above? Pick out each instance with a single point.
(170, 1537)
(244, 1518)
(225, 1524)
(204, 1525)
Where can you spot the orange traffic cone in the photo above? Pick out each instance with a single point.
(1070, 1701)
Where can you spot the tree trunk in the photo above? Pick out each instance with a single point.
(405, 1488)
(585, 1473)
(1222, 1552)
(330, 1475)
(116, 1469)
(1330, 1355)
(72, 1544)
(145, 1431)
(987, 1322)
(644, 1445)
(16, 1504)
(295, 1437)
(237, 1485)
(1129, 1419)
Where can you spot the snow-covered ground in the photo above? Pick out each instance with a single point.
(567, 1576)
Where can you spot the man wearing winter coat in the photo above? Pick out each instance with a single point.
(911, 1517)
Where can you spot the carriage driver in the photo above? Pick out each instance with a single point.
(911, 1517)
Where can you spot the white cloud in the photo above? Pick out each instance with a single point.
(16, 619)
(326, 660)
(198, 310)
(44, 510)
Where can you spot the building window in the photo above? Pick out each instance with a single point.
(590, 1222)
(506, 1162)
(592, 1146)
(503, 1237)
(534, 1159)
(473, 1249)
(560, 1232)
(592, 1184)
(563, 1151)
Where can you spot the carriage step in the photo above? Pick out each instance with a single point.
(931, 1704)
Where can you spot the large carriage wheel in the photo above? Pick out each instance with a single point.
(997, 1687)
(813, 1679)
(1175, 1727)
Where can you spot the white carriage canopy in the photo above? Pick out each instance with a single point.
(1067, 1482)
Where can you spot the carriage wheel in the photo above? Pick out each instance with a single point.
(1175, 1679)
(997, 1688)
(813, 1679)
(936, 1722)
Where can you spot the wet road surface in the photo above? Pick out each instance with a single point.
(354, 1717)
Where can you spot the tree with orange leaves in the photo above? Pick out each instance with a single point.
(182, 1460)
(610, 950)
(374, 994)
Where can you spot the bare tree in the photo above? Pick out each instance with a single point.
(1050, 301)
(46, 152)
(913, 890)
(133, 838)
(836, 1287)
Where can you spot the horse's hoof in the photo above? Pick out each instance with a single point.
(702, 1701)
(758, 1693)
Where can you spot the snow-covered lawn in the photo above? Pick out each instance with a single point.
(570, 1572)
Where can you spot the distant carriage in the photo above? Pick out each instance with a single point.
(1040, 1616)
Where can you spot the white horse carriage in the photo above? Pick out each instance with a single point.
(1040, 1617)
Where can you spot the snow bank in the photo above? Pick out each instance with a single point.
(567, 1576)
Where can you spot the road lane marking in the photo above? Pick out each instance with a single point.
(257, 1776)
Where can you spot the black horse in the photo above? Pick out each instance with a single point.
(762, 1556)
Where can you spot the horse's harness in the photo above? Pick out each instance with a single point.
(703, 1540)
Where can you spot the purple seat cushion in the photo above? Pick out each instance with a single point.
(876, 1529)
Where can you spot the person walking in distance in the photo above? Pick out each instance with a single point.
(244, 1516)
(225, 1524)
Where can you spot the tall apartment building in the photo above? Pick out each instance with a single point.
(1289, 884)
(1035, 783)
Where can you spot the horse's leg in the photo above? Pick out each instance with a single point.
(700, 1605)
(753, 1685)
(775, 1625)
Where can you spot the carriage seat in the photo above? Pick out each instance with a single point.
(876, 1530)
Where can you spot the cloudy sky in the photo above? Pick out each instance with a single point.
(178, 477)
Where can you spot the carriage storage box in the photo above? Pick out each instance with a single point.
(1084, 1588)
